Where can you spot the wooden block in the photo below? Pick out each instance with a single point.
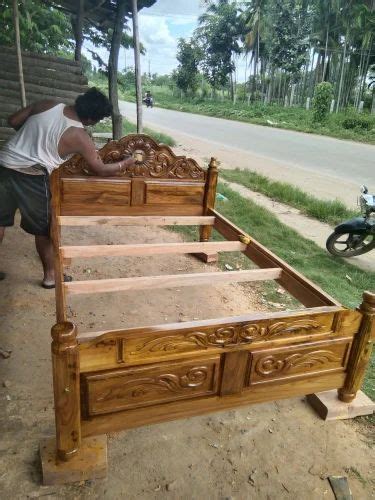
(206, 257)
(90, 463)
(329, 407)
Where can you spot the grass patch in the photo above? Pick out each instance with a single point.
(330, 273)
(331, 212)
(130, 128)
(272, 115)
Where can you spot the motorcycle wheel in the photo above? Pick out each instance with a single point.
(350, 244)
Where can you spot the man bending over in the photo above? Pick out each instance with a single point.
(47, 134)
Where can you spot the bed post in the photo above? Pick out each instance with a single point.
(56, 241)
(361, 350)
(65, 367)
(68, 458)
(209, 202)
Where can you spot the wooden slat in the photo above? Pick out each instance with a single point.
(69, 252)
(169, 281)
(134, 220)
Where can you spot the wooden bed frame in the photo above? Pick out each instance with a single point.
(114, 380)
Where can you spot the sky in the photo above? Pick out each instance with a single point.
(160, 27)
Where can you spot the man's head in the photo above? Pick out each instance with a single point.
(92, 106)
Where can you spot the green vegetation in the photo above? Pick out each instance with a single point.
(130, 128)
(344, 125)
(331, 212)
(322, 102)
(338, 278)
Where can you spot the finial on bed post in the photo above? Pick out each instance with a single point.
(361, 350)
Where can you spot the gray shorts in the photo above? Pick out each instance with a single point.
(31, 195)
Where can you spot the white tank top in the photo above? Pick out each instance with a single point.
(37, 141)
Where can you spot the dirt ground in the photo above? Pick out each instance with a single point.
(278, 450)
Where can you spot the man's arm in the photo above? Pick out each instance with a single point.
(17, 119)
(80, 142)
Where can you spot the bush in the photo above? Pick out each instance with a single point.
(322, 101)
(357, 122)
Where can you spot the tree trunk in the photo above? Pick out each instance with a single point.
(341, 76)
(325, 57)
(16, 21)
(112, 69)
(77, 25)
(231, 87)
(137, 67)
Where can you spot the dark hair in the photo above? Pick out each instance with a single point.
(92, 105)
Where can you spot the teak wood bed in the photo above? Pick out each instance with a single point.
(114, 380)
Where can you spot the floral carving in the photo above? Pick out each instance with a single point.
(226, 336)
(151, 160)
(195, 377)
(269, 365)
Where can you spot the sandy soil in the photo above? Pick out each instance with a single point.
(271, 451)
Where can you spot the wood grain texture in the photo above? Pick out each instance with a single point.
(209, 198)
(88, 251)
(134, 220)
(91, 462)
(169, 281)
(56, 242)
(137, 376)
(66, 387)
(123, 389)
(166, 193)
(289, 362)
(183, 409)
(361, 350)
(234, 371)
(183, 340)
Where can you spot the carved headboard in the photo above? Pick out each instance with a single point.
(160, 183)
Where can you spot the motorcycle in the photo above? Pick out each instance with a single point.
(148, 101)
(356, 236)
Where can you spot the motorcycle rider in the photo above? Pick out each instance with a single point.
(148, 99)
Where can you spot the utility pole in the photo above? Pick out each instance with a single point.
(16, 21)
(137, 67)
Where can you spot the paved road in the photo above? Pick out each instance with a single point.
(346, 161)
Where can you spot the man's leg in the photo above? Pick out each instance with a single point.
(45, 250)
(2, 232)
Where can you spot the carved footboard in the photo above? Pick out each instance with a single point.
(114, 380)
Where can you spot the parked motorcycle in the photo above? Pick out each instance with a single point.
(356, 236)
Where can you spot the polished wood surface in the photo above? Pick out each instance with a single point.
(169, 281)
(361, 351)
(118, 379)
(65, 368)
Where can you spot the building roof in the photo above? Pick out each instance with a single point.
(99, 13)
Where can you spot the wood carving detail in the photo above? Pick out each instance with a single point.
(151, 160)
(195, 377)
(226, 337)
(269, 365)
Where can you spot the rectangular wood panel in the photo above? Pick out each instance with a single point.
(163, 193)
(270, 365)
(122, 389)
(95, 196)
(234, 371)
